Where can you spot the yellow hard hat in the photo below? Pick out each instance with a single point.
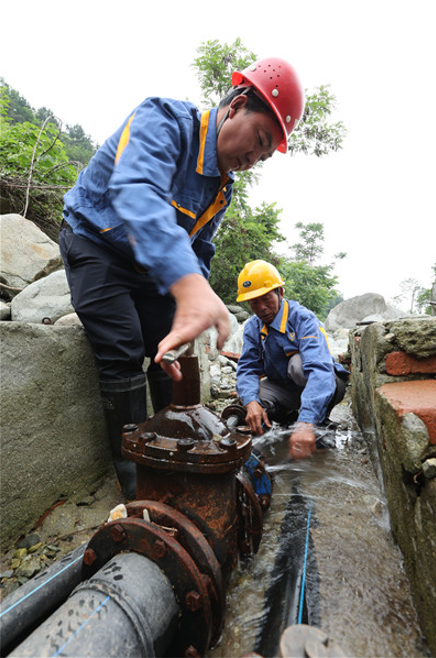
(256, 279)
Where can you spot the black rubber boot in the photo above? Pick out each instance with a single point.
(124, 402)
(161, 388)
(280, 414)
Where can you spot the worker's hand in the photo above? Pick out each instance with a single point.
(302, 441)
(256, 416)
(198, 308)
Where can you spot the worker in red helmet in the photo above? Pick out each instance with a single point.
(137, 230)
(286, 372)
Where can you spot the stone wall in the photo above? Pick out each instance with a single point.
(53, 436)
(393, 390)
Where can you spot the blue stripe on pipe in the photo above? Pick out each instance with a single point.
(81, 626)
(39, 586)
(300, 611)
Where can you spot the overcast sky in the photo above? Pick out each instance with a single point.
(91, 62)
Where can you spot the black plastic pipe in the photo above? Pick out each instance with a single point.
(30, 604)
(128, 608)
(291, 570)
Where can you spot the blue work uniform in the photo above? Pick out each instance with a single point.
(142, 215)
(267, 350)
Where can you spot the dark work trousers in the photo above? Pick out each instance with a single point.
(121, 309)
(282, 403)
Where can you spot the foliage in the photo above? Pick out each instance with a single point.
(416, 296)
(34, 168)
(309, 284)
(310, 247)
(314, 135)
(79, 147)
(312, 286)
(245, 234)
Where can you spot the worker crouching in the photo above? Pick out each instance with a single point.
(286, 372)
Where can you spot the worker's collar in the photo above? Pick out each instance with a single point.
(207, 161)
(280, 320)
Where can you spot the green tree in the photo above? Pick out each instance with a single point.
(79, 147)
(410, 290)
(308, 283)
(245, 234)
(311, 245)
(34, 170)
(416, 296)
(39, 161)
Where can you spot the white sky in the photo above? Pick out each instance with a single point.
(92, 62)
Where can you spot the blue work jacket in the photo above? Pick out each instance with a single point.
(266, 351)
(153, 192)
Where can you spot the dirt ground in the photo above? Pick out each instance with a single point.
(62, 528)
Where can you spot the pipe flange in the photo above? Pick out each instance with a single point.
(220, 454)
(148, 539)
(250, 516)
(195, 543)
(234, 410)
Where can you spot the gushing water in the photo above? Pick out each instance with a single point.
(356, 589)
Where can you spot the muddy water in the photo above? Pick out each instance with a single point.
(356, 589)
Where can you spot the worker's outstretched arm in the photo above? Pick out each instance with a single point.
(198, 308)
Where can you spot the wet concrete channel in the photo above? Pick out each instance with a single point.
(355, 585)
(356, 588)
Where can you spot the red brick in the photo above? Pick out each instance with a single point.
(418, 397)
(400, 363)
(233, 356)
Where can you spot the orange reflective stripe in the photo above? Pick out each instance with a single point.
(185, 211)
(323, 331)
(204, 122)
(124, 139)
(209, 213)
(284, 317)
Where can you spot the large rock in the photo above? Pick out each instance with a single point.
(356, 309)
(46, 299)
(27, 254)
(53, 435)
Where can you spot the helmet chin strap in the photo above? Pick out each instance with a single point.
(244, 91)
(220, 125)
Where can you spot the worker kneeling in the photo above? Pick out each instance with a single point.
(286, 372)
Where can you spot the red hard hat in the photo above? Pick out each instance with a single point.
(278, 83)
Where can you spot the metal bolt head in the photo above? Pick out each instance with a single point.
(159, 549)
(118, 533)
(131, 427)
(183, 445)
(193, 601)
(89, 557)
(148, 436)
(227, 443)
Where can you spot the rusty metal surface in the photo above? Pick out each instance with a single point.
(194, 542)
(235, 411)
(250, 513)
(193, 440)
(208, 500)
(155, 543)
(186, 392)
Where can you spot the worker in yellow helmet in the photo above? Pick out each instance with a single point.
(286, 372)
